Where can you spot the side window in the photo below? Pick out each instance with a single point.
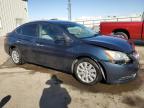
(29, 30)
(50, 32)
(19, 30)
(45, 31)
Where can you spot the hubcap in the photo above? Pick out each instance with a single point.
(86, 72)
(15, 56)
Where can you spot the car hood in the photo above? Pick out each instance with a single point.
(112, 43)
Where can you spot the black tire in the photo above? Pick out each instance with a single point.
(96, 67)
(20, 60)
(121, 35)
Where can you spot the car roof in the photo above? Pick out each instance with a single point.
(58, 22)
(52, 21)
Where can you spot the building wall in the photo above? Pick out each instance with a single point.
(12, 14)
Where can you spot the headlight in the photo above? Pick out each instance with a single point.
(117, 57)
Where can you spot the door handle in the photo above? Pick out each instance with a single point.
(18, 41)
(39, 45)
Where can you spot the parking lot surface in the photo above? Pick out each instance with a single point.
(32, 86)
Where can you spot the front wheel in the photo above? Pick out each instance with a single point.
(87, 71)
(16, 56)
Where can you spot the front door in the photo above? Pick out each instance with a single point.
(52, 52)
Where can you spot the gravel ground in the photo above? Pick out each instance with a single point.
(31, 86)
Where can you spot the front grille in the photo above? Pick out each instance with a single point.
(128, 77)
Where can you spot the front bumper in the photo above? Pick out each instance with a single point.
(120, 73)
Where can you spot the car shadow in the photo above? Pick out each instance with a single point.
(4, 101)
(103, 87)
(8, 64)
(71, 81)
(134, 101)
(54, 96)
(31, 68)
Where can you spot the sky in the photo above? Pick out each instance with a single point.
(49, 9)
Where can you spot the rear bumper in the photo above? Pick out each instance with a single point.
(116, 73)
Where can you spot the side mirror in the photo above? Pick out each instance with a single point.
(64, 39)
(59, 38)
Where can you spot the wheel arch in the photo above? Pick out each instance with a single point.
(103, 72)
(122, 30)
(11, 47)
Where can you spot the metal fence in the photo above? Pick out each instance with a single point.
(94, 24)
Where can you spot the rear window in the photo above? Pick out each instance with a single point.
(29, 30)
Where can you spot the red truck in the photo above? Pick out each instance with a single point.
(128, 30)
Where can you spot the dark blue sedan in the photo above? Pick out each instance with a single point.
(74, 49)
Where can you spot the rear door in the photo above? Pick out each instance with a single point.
(27, 35)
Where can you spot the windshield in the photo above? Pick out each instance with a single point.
(80, 31)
